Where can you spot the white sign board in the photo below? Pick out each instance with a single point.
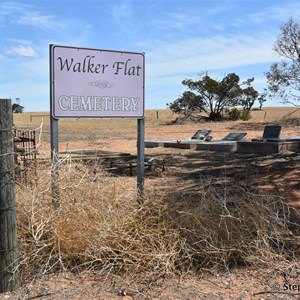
(95, 83)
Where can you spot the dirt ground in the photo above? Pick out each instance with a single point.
(278, 172)
(233, 284)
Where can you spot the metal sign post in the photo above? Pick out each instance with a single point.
(55, 161)
(141, 158)
(54, 144)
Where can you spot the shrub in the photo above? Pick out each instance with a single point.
(245, 115)
(234, 114)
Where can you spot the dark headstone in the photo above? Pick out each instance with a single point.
(234, 136)
(201, 134)
(271, 132)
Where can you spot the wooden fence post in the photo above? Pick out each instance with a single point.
(8, 223)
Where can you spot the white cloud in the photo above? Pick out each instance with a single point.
(122, 17)
(22, 51)
(194, 55)
(37, 20)
(172, 20)
(122, 12)
(9, 7)
(24, 14)
(279, 13)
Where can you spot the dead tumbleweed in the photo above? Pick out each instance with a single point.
(100, 226)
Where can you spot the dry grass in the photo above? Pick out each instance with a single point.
(274, 114)
(152, 118)
(91, 129)
(101, 227)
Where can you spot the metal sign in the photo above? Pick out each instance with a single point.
(91, 83)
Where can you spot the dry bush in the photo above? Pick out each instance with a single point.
(234, 226)
(290, 121)
(99, 226)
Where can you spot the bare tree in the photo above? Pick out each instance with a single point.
(284, 77)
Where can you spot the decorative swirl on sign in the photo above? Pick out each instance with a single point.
(101, 84)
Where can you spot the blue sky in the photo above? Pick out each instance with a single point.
(180, 39)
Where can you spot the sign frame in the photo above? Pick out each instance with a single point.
(118, 69)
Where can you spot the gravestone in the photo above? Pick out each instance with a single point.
(201, 134)
(272, 132)
(234, 136)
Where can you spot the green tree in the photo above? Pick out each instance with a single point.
(248, 95)
(210, 96)
(263, 98)
(17, 108)
(284, 77)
